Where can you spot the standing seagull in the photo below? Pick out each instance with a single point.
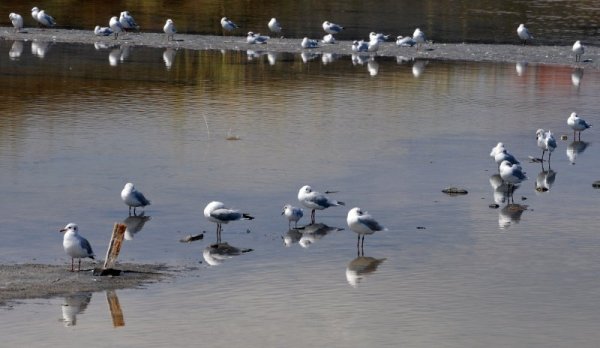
(315, 200)
(16, 20)
(227, 24)
(524, 34)
(127, 21)
(274, 26)
(419, 38)
(545, 141)
(75, 245)
(332, 28)
(578, 49)
(115, 26)
(362, 223)
(133, 198)
(577, 124)
(169, 29)
(102, 31)
(217, 212)
(41, 17)
(292, 214)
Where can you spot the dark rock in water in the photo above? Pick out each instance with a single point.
(455, 191)
(596, 184)
(107, 272)
(494, 206)
(191, 238)
(420, 227)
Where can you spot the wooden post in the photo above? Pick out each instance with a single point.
(114, 247)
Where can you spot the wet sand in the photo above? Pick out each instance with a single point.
(28, 281)
(556, 55)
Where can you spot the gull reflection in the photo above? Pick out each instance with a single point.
(418, 68)
(576, 76)
(169, 57)
(313, 232)
(74, 304)
(328, 58)
(114, 56)
(16, 50)
(100, 45)
(358, 59)
(359, 268)
(134, 224)
(520, 67)
(252, 54)
(373, 67)
(40, 48)
(502, 190)
(545, 179)
(308, 56)
(510, 215)
(272, 57)
(292, 236)
(217, 253)
(575, 148)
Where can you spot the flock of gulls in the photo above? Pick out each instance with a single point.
(358, 220)
(125, 22)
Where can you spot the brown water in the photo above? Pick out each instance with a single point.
(78, 122)
(551, 22)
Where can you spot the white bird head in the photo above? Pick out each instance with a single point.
(35, 9)
(210, 207)
(306, 189)
(71, 227)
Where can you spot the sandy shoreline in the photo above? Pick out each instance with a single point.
(29, 281)
(556, 55)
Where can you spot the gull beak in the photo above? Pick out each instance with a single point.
(63, 230)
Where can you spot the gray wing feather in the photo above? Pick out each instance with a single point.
(370, 223)
(140, 197)
(226, 214)
(86, 245)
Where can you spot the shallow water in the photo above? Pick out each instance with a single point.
(78, 122)
(551, 22)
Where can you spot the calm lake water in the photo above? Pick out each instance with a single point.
(78, 122)
(551, 22)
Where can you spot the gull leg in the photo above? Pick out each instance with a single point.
(312, 216)
(72, 265)
(79, 267)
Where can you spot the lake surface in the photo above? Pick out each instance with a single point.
(551, 22)
(78, 122)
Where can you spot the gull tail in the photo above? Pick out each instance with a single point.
(247, 216)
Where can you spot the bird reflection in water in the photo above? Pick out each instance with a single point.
(575, 148)
(520, 67)
(134, 224)
(217, 253)
(74, 304)
(419, 67)
(313, 232)
(545, 179)
(373, 67)
(576, 77)
(16, 50)
(292, 236)
(503, 192)
(169, 57)
(40, 48)
(359, 268)
(510, 215)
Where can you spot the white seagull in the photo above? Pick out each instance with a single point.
(16, 20)
(133, 198)
(309, 43)
(274, 26)
(127, 21)
(524, 34)
(578, 49)
(227, 24)
(362, 223)
(419, 37)
(102, 31)
(256, 38)
(545, 141)
(75, 245)
(405, 41)
(504, 155)
(360, 46)
(378, 36)
(42, 18)
(115, 26)
(328, 39)
(373, 45)
(332, 28)
(577, 124)
(315, 200)
(292, 214)
(512, 173)
(496, 149)
(218, 213)
(169, 29)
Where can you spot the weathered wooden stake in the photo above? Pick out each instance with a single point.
(115, 309)
(114, 247)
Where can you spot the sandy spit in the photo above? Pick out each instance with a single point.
(555, 55)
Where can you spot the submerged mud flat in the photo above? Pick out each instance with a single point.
(559, 55)
(28, 281)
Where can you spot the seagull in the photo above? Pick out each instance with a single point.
(292, 214)
(16, 20)
(378, 36)
(577, 124)
(545, 141)
(256, 38)
(217, 212)
(274, 26)
(419, 37)
(360, 46)
(523, 33)
(578, 49)
(115, 26)
(496, 149)
(309, 43)
(42, 17)
(504, 155)
(315, 200)
(332, 28)
(373, 45)
(133, 198)
(512, 173)
(102, 31)
(127, 21)
(405, 41)
(75, 245)
(328, 39)
(362, 223)
(227, 24)
(169, 29)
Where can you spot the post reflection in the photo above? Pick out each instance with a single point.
(216, 254)
(361, 267)
(114, 306)
(134, 224)
(74, 305)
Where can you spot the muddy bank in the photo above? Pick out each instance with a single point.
(558, 55)
(27, 281)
